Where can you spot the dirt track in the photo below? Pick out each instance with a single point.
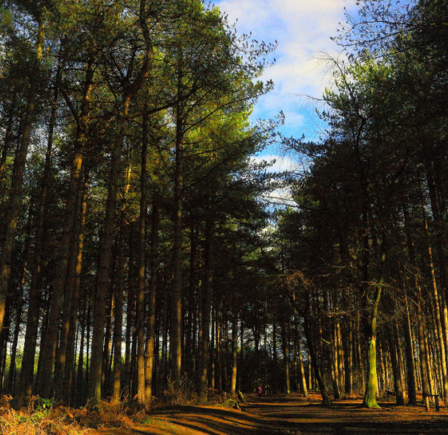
(288, 415)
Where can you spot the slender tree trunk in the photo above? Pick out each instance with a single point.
(349, 359)
(142, 266)
(436, 310)
(206, 307)
(176, 295)
(191, 330)
(151, 320)
(8, 138)
(118, 313)
(234, 351)
(35, 292)
(218, 350)
(129, 319)
(323, 389)
(286, 364)
(15, 194)
(393, 344)
(19, 308)
(372, 382)
(412, 391)
(302, 377)
(71, 295)
(130, 91)
(107, 348)
(70, 362)
(48, 349)
(105, 259)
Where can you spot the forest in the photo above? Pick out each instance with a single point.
(139, 260)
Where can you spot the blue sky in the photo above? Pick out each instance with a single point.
(302, 29)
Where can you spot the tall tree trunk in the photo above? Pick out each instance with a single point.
(142, 265)
(234, 351)
(48, 349)
(8, 137)
(35, 291)
(349, 359)
(206, 306)
(130, 90)
(73, 321)
(218, 352)
(71, 296)
(118, 310)
(105, 258)
(398, 387)
(151, 319)
(436, 310)
(322, 387)
(19, 308)
(286, 364)
(191, 330)
(15, 194)
(412, 391)
(176, 296)
(372, 378)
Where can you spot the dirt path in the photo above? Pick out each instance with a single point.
(288, 415)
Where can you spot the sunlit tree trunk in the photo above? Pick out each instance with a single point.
(141, 284)
(302, 377)
(286, 364)
(35, 291)
(71, 297)
(349, 359)
(436, 311)
(48, 349)
(105, 259)
(313, 356)
(372, 377)
(234, 351)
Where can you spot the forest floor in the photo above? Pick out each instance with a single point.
(293, 414)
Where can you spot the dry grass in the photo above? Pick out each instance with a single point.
(39, 421)
(41, 416)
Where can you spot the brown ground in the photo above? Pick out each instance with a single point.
(287, 415)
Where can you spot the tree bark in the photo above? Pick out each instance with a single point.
(372, 378)
(48, 349)
(151, 320)
(206, 306)
(15, 194)
(141, 390)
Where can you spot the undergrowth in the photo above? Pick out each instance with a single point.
(43, 417)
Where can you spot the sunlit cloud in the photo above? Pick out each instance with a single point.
(279, 164)
(303, 30)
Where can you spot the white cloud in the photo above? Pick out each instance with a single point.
(279, 198)
(303, 30)
(281, 164)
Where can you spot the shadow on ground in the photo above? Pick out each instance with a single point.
(293, 415)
